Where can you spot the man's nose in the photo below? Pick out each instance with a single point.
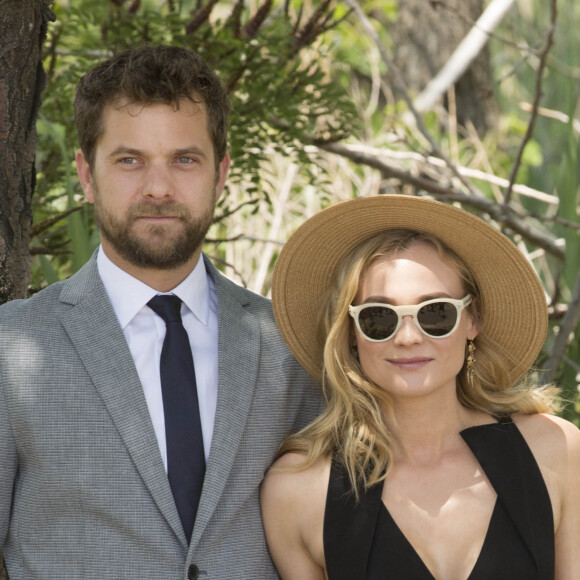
(158, 183)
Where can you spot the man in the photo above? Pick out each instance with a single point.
(106, 472)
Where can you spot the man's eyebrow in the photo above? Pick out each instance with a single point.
(123, 150)
(193, 150)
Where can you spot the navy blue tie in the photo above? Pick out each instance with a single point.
(185, 455)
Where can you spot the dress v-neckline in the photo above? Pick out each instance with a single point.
(522, 515)
(391, 522)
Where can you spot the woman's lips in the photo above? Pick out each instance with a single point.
(411, 363)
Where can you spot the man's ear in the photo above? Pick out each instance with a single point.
(85, 178)
(223, 169)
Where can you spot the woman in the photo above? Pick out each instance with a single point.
(432, 459)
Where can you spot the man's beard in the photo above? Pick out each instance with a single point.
(157, 247)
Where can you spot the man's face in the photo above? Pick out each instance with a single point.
(154, 184)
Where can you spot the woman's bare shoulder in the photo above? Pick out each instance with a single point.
(296, 491)
(293, 497)
(549, 434)
(290, 475)
(555, 444)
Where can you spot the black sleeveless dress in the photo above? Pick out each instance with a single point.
(362, 541)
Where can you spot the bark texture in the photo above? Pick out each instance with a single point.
(424, 37)
(23, 27)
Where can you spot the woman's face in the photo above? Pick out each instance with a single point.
(411, 364)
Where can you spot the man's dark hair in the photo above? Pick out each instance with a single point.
(145, 76)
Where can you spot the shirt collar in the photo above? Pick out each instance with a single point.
(129, 295)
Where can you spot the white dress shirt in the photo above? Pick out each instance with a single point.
(145, 332)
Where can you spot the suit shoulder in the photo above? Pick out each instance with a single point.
(244, 296)
(39, 302)
(256, 300)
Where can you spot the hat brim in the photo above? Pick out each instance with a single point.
(515, 314)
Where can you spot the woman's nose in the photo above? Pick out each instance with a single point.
(408, 333)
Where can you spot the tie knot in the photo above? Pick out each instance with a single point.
(167, 306)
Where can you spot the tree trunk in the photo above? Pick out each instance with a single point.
(425, 36)
(23, 27)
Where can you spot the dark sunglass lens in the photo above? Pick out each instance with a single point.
(377, 322)
(437, 318)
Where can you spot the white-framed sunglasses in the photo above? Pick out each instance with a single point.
(437, 318)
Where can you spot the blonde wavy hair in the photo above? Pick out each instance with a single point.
(352, 428)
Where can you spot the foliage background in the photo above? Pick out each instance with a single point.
(316, 120)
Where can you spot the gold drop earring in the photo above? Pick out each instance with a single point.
(470, 362)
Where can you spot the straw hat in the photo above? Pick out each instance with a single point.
(513, 303)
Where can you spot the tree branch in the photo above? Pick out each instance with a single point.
(569, 323)
(506, 216)
(437, 163)
(398, 79)
(463, 55)
(536, 103)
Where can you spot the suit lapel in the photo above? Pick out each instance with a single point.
(238, 334)
(95, 332)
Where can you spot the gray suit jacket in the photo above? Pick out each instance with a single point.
(83, 491)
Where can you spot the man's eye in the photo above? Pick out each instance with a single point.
(185, 160)
(128, 161)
